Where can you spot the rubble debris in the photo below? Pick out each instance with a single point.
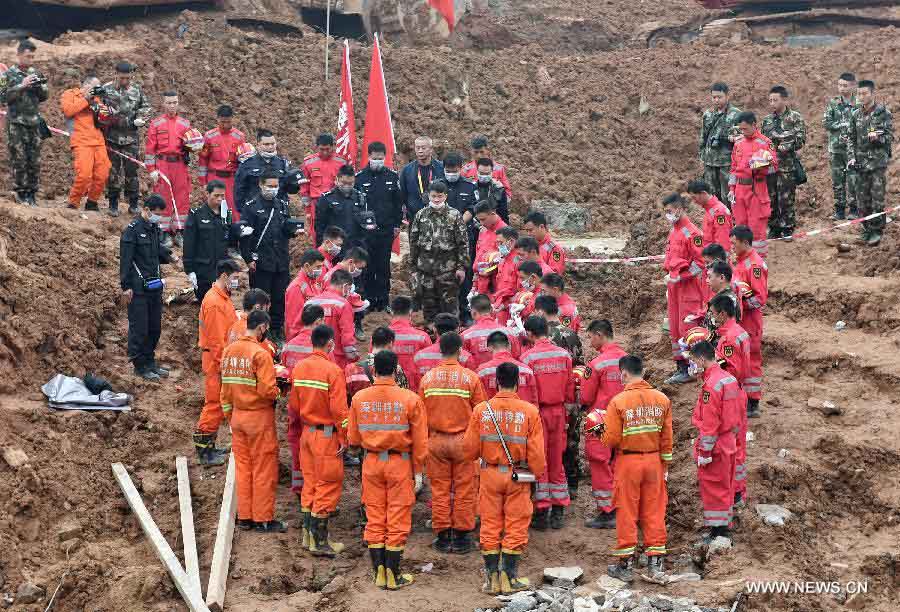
(773, 515)
(573, 573)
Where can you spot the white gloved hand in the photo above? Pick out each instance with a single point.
(731, 197)
(246, 230)
(154, 176)
(139, 122)
(515, 309)
(193, 278)
(666, 476)
(420, 482)
(701, 461)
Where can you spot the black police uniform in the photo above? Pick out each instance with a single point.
(463, 195)
(246, 180)
(497, 195)
(268, 247)
(344, 211)
(383, 197)
(140, 256)
(207, 237)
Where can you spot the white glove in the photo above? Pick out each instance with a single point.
(666, 476)
(515, 309)
(246, 230)
(419, 480)
(139, 122)
(193, 278)
(154, 176)
(701, 461)
(731, 197)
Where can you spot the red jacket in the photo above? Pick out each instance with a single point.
(429, 358)
(475, 341)
(553, 255)
(741, 154)
(487, 372)
(751, 269)
(734, 349)
(487, 242)
(301, 289)
(164, 137)
(602, 380)
(408, 341)
(717, 412)
(552, 368)
(507, 284)
(470, 171)
(568, 312)
(219, 153)
(338, 316)
(329, 260)
(717, 223)
(683, 252)
(321, 174)
(297, 349)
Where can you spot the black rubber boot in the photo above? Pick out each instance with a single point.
(133, 206)
(509, 574)
(623, 570)
(377, 553)
(91, 206)
(492, 572)
(207, 453)
(160, 371)
(245, 524)
(441, 542)
(461, 542)
(113, 200)
(394, 579)
(753, 411)
(603, 520)
(273, 526)
(557, 517)
(541, 520)
(306, 528)
(320, 546)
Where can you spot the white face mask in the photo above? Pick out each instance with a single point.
(528, 285)
(154, 219)
(503, 249)
(693, 368)
(269, 192)
(671, 217)
(267, 154)
(345, 189)
(438, 203)
(356, 273)
(452, 176)
(234, 283)
(333, 249)
(484, 178)
(376, 164)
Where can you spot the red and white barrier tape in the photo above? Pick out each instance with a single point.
(620, 260)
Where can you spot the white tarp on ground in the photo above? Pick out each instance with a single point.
(70, 393)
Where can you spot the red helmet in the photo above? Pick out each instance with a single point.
(695, 335)
(522, 297)
(744, 289)
(193, 140)
(761, 158)
(245, 151)
(104, 115)
(490, 263)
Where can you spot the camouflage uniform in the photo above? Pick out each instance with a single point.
(872, 159)
(843, 180)
(123, 136)
(715, 148)
(788, 134)
(438, 247)
(23, 128)
(563, 337)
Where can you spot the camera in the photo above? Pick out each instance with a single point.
(97, 91)
(39, 80)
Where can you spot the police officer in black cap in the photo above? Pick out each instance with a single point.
(266, 161)
(266, 228)
(346, 208)
(208, 234)
(140, 276)
(381, 187)
(462, 195)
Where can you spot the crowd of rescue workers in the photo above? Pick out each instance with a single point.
(491, 399)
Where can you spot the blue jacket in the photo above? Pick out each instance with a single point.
(414, 197)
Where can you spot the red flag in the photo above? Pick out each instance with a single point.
(379, 127)
(346, 145)
(445, 8)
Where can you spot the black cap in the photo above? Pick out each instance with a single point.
(124, 67)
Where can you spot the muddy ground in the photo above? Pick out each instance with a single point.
(564, 116)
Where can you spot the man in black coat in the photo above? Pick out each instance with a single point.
(208, 234)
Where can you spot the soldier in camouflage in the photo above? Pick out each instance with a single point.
(122, 136)
(438, 254)
(837, 122)
(718, 133)
(871, 134)
(22, 89)
(787, 131)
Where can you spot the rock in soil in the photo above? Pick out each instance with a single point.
(29, 593)
(773, 515)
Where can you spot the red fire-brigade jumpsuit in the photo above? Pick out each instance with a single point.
(552, 254)
(568, 312)
(301, 289)
(429, 358)
(639, 423)
(602, 382)
(752, 206)
(450, 392)
(684, 293)
(751, 269)
(320, 174)
(717, 223)
(475, 340)
(506, 285)
(552, 368)
(217, 315)
(734, 349)
(486, 243)
(339, 317)
(408, 341)
(248, 395)
(165, 152)
(218, 161)
(717, 417)
(487, 372)
(506, 507)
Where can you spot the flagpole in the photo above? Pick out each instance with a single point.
(327, 33)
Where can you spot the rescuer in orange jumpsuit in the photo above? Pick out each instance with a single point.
(320, 396)
(248, 396)
(450, 392)
(390, 424)
(217, 315)
(638, 422)
(505, 503)
(90, 160)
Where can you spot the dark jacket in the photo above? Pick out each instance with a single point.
(246, 181)
(497, 195)
(415, 196)
(206, 238)
(383, 196)
(140, 255)
(334, 208)
(463, 195)
(267, 246)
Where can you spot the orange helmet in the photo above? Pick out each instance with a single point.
(490, 264)
(744, 289)
(761, 158)
(193, 140)
(522, 297)
(245, 151)
(695, 335)
(580, 373)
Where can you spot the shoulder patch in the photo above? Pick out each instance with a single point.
(728, 350)
(557, 255)
(757, 272)
(720, 219)
(698, 240)
(566, 321)
(705, 397)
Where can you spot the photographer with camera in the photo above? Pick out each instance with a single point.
(86, 113)
(122, 136)
(22, 89)
(140, 277)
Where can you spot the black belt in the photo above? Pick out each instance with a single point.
(223, 173)
(171, 158)
(746, 181)
(321, 427)
(634, 452)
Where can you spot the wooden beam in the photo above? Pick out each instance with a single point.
(162, 548)
(191, 562)
(218, 571)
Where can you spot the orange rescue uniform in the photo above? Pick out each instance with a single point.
(217, 315)
(248, 395)
(450, 392)
(390, 424)
(90, 160)
(639, 423)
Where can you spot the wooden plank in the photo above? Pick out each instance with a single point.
(218, 571)
(191, 562)
(162, 548)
